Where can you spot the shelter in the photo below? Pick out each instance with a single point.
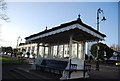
(66, 43)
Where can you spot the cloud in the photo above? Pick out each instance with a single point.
(5, 43)
(2, 40)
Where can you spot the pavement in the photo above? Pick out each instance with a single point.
(22, 71)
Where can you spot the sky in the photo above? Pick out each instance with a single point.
(27, 18)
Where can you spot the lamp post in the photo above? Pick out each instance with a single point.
(98, 22)
(103, 19)
(18, 41)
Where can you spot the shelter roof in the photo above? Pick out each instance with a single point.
(79, 30)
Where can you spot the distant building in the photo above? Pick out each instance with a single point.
(31, 48)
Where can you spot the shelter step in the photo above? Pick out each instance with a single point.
(19, 73)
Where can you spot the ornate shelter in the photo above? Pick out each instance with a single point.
(71, 35)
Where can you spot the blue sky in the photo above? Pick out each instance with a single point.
(27, 18)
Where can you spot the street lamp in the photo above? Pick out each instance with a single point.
(98, 22)
(18, 41)
(103, 19)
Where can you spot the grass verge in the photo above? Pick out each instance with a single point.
(4, 60)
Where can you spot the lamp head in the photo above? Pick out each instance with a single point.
(104, 19)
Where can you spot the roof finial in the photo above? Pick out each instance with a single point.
(79, 20)
(79, 16)
(46, 28)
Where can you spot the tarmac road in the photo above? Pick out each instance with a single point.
(106, 72)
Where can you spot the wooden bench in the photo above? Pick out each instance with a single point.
(59, 65)
(52, 65)
(73, 67)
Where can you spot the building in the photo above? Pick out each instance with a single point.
(64, 44)
(32, 49)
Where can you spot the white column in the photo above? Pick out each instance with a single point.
(43, 51)
(70, 47)
(77, 49)
(83, 51)
(38, 49)
(30, 47)
(52, 49)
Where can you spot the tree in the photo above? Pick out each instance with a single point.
(3, 49)
(103, 48)
(91, 58)
(109, 52)
(3, 8)
(9, 49)
(93, 50)
(3, 16)
(15, 51)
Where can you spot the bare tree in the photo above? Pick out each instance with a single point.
(3, 8)
(3, 16)
(115, 47)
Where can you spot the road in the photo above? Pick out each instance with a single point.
(105, 73)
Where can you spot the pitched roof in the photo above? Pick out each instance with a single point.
(78, 21)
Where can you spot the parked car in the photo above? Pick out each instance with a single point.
(31, 56)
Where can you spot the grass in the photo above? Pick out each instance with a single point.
(7, 61)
